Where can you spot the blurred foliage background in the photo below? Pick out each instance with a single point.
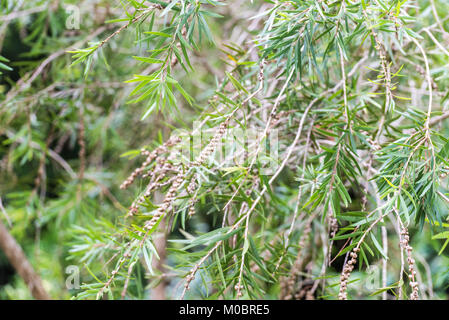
(68, 137)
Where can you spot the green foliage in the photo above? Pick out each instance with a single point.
(352, 96)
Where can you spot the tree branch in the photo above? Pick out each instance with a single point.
(19, 261)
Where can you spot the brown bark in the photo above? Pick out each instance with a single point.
(160, 243)
(19, 261)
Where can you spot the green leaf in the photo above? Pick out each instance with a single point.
(148, 60)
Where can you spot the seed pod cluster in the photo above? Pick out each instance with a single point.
(411, 264)
(166, 204)
(150, 156)
(191, 188)
(239, 288)
(210, 148)
(181, 177)
(333, 223)
(347, 269)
